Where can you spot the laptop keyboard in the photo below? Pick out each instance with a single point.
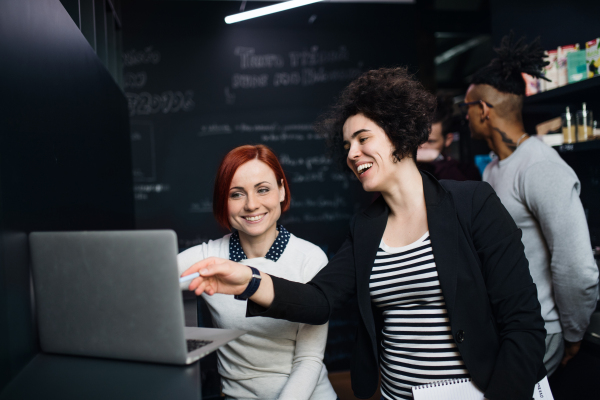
(193, 344)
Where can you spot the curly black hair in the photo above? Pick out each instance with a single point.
(514, 58)
(390, 97)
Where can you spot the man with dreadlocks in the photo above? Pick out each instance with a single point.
(541, 192)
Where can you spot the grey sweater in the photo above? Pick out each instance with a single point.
(541, 192)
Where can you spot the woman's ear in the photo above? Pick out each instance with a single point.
(281, 192)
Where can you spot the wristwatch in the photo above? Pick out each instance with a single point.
(252, 285)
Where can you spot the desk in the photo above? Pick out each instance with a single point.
(50, 377)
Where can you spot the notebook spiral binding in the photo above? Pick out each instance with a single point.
(443, 383)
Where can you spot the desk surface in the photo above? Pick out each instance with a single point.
(51, 377)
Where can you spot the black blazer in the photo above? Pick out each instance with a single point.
(490, 297)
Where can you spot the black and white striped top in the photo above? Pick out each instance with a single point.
(417, 346)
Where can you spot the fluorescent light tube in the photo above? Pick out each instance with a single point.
(259, 12)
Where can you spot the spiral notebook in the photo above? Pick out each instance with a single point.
(464, 389)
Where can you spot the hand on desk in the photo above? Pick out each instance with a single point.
(571, 350)
(218, 275)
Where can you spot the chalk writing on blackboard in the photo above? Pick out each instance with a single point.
(319, 202)
(297, 177)
(215, 129)
(308, 162)
(307, 69)
(249, 60)
(134, 57)
(302, 58)
(314, 57)
(135, 80)
(141, 192)
(167, 102)
(249, 81)
(202, 206)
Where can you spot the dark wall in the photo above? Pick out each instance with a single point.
(65, 160)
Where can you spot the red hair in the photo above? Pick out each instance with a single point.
(231, 162)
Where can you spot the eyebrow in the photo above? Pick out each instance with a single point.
(241, 188)
(357, 133)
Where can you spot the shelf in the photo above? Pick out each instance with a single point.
(573, 93)
(577, 147)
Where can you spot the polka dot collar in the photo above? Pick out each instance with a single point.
(236, 253)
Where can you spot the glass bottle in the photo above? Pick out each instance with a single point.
(584, 124)
(568, 128)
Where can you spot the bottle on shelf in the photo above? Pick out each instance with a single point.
(568, 129)
(584, 124)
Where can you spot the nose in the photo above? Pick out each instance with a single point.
(354, 152)
(251, 202)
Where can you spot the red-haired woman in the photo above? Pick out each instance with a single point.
(276, 359)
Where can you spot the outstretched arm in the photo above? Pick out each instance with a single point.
(310, 303)
(218, 275)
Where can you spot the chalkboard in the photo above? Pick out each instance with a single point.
(198, 87)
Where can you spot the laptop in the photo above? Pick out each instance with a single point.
(115, 294)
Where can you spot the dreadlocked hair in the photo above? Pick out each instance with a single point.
(515, 57)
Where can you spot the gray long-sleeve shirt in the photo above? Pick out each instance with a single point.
(541, 192)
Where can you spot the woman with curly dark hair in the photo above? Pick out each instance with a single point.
(438, 268)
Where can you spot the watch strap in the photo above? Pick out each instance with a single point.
(252, 285)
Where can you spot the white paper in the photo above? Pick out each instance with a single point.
(464, 389)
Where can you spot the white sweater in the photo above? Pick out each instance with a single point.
(276, 359)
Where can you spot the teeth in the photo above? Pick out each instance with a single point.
(258, 217)
(363, 167)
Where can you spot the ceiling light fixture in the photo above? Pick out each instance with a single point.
(259, 12)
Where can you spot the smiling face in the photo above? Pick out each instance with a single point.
(254, 202)
(369, 153)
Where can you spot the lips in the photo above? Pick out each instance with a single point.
(364, 167)
(254, 218)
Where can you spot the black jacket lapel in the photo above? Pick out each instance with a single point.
(368, 231)
(443, 225)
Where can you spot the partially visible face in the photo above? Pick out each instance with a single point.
(474, 116)
(255, 196)
(436, 140)
(369, 152)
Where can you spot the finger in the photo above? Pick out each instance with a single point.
(216, 268)
(201, 288)
(200, 265)
(195, 283)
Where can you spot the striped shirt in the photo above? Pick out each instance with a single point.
(417, 346)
